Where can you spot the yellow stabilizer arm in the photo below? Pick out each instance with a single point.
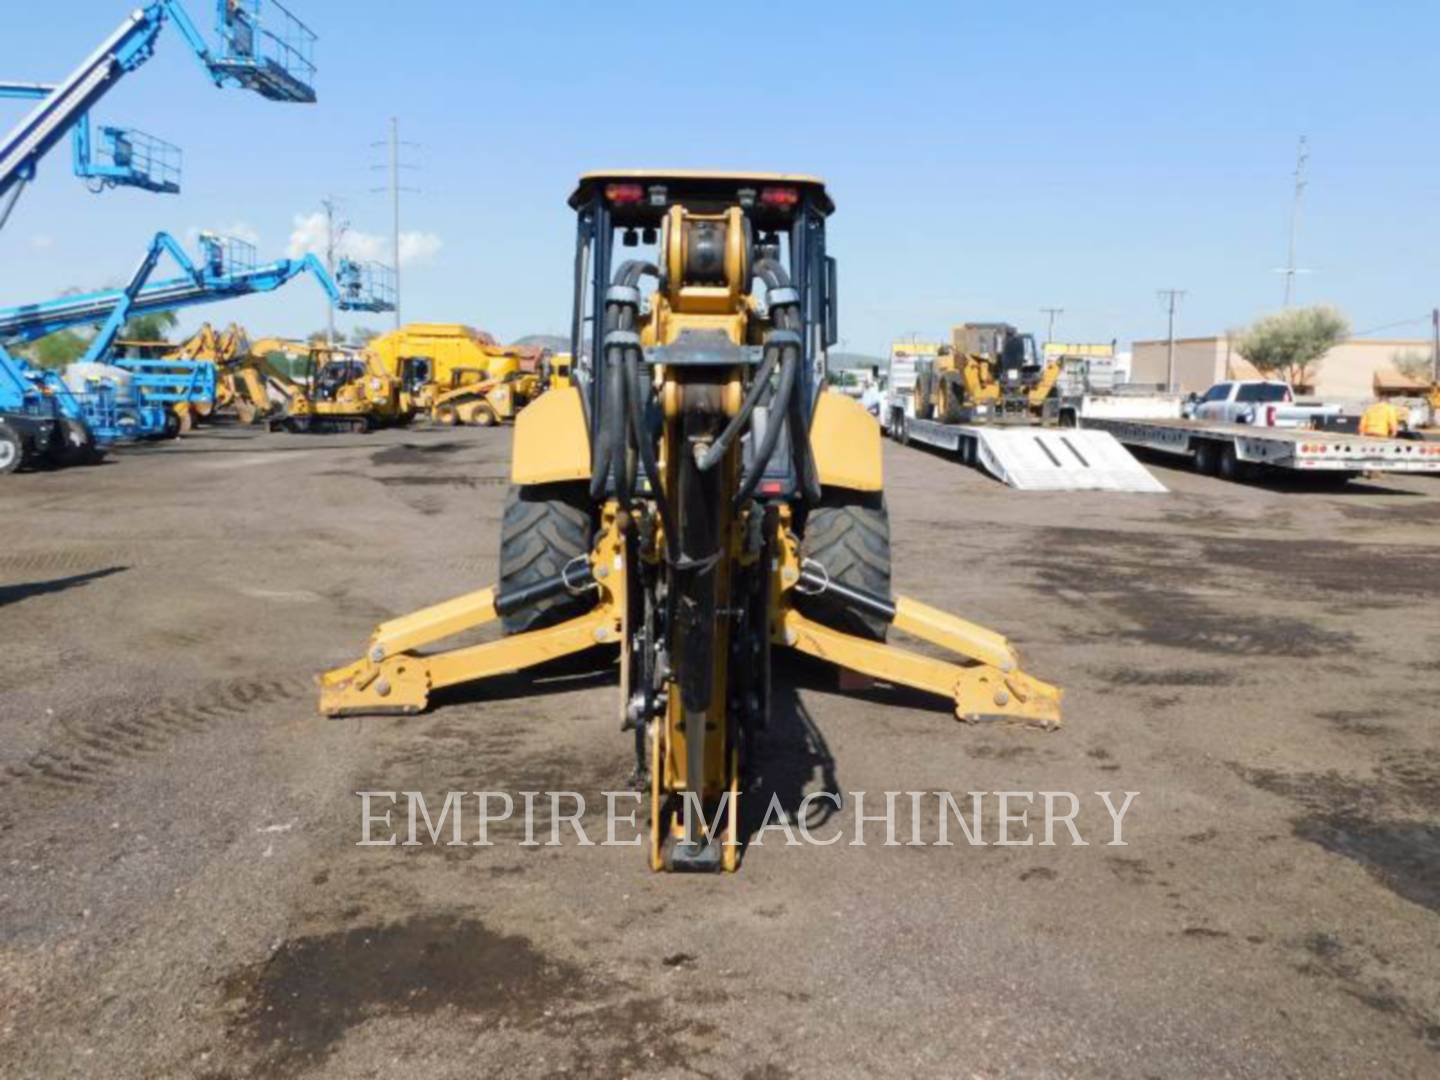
(992, 684)
(392, 678)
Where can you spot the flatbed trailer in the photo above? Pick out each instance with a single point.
(1031, 456)
(1234, 451)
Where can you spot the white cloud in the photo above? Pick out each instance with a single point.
(42, 242)
(236, 230)
(308, 238)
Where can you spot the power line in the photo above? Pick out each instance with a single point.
(1391, 326)
(394, 165)
(1171, 297)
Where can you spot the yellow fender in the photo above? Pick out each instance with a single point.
(846, 442)
(551, 441)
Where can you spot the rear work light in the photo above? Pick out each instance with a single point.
(783, 197)
(624, 194)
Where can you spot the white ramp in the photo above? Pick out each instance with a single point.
(1061, 459)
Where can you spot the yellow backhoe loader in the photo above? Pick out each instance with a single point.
(697, 498)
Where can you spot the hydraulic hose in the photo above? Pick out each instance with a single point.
(779, 408)
(646, 449)
(783, 405)
(758, 386)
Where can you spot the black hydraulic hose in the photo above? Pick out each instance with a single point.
(603, 441)
(779, 406)
(615, 408)
(711, 457)
(646, 450)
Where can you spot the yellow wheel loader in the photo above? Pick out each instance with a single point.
(696, 498)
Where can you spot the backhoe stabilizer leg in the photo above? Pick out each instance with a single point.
(402, 683)
(394, 678)
(979, 689)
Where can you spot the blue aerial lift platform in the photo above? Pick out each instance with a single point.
(262, 47)
(226, 269)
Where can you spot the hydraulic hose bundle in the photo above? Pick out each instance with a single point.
(623, 439)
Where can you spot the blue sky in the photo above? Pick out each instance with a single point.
(987, 159)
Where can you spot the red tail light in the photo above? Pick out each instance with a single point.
(783, 197)
(771, 487)
(624, 194)
(1270, 416)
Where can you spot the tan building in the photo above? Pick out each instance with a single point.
(1356, 370)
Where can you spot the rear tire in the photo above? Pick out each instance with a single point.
(850, 537)
(546, 526)
(12, 450)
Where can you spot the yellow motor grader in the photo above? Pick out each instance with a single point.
(698, 498)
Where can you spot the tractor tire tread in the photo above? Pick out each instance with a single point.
(851, 539)
(544, 527)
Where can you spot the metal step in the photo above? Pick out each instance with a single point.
(1061, 459)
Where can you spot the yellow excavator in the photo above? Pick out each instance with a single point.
(697, 498)
(990, 371)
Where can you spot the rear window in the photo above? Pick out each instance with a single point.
(1263, 393)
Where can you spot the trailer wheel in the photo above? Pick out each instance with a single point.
(1229, 466)
(12, 450)
(1205, 457)
(546, 526)
(849, 535)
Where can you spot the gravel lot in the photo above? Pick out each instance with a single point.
(181, 893)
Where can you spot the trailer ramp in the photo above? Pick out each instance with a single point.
(1061, 459)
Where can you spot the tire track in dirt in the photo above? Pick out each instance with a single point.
(65, 561)
(91, 747)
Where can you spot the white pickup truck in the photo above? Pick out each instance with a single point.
(1260, 402)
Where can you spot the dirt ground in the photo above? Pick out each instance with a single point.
(181, 893)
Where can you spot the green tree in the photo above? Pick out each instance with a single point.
(153, 327)
(1415, 364)
(362, 336)
(318, 337)
(1290, 344)
(56, 350)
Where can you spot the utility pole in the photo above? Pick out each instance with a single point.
(393, 165)
(1302, 155)
(1052, 312)
(1435, 346)
(1171, 297)
(334, 237)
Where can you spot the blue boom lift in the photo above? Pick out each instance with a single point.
(262, 47)
(79, 423)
